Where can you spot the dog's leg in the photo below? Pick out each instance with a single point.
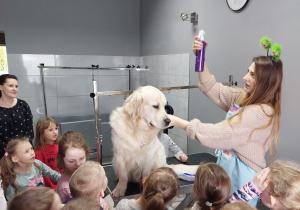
(121, 172)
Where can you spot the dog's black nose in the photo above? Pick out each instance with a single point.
(167, 121)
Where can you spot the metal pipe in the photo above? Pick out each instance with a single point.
(98, 137)
(95, 68)
(43, 86)
(110, 93)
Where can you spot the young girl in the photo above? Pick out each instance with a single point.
(278, 186)
(20, 170)
(37, 198)
(159, 189)
(46, 147)
(170, 146)
(211, 187)
(72, 153)
(241, 205)
(252, 123)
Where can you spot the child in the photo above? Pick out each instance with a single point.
(72, 153)
(278, 186)
(241, 205)
(211, 186)
(37, 198)
(20, 170)
(82, 203)
(159, 189)
(170, 146)
(46, 147)
(89, 180)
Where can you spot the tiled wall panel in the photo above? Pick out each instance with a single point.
(67, 90)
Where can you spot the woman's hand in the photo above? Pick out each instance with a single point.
(197, 45)
(261, 179)
(178, 122)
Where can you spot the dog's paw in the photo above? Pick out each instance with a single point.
(118, 192)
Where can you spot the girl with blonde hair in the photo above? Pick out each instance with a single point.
(278, 186)
(20, 170)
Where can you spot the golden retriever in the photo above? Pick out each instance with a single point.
(135, 125)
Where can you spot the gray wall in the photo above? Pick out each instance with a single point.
(233, 41)
(153, 27)
(71, 27)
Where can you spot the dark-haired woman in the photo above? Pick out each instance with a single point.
(252, 123)
(15, 114)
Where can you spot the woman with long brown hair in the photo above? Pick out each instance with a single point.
(252, 124)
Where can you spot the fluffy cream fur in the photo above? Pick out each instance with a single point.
(135, 125)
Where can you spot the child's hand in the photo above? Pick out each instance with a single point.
(261, 179)
(183, 157)
(104, 206)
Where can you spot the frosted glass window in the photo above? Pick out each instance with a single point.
(3, 60)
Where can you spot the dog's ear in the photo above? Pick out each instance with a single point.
(132, 104)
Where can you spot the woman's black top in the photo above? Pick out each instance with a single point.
(15, 122)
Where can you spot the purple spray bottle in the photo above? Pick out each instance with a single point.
(200, 55)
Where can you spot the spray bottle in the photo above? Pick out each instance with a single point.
(200, 55)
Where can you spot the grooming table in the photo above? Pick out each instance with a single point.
(186, 187)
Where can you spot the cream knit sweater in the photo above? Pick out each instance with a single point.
(249, 144)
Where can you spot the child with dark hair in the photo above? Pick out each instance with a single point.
(211, 187)
(159, 190)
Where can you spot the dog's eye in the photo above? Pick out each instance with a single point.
(155, 106)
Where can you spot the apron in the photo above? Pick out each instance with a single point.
(237, 170)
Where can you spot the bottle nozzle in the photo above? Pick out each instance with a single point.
(201, 35)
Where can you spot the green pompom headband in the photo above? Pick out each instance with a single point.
(265, 42)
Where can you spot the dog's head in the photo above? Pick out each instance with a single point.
(148, 104)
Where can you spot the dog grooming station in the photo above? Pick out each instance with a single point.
(95, 94)
(134, 188)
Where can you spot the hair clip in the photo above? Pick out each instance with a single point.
(207, 203)
(6, 154)
(265, 42)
